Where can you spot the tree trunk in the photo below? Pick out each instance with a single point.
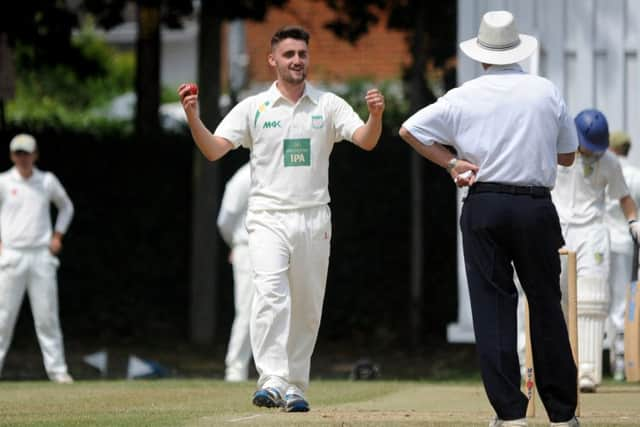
(147, 122)
(417, 99)
(204, 256)
(7, 77)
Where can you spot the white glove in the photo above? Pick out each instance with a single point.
(634, 229)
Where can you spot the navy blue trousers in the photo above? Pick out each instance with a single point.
(499, 229)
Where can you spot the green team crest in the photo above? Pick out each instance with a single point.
(599, 257)
(317, 122)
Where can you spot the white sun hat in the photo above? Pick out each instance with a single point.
(23, 142)
(498, 41)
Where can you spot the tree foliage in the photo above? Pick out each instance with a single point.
(430, 28)
(354, 18)
(46, 27)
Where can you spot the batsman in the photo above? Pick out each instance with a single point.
(580, 198)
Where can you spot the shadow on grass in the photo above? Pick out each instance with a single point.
(442, 362)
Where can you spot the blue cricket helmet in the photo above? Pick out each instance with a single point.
(593, 130)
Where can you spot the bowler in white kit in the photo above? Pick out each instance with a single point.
(290, 129)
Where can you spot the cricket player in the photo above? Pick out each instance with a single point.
(510, 130)
(579, 197)
(231, 223)
(28, 249)
(621, 252)
(290, 129)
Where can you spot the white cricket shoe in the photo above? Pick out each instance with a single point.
(618, 368)
(294, 400)
(573, 422)
(497, 422)
(61, 378)
(268, 397)
(587, 385)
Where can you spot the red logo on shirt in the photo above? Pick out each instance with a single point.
(14, 191)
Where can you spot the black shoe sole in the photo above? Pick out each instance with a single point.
(297, 407)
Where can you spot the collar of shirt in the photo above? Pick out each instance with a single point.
(15, 175)
(310, 93)
(508, 68)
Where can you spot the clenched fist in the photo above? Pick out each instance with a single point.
(375, 102)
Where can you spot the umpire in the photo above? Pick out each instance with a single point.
(510, 130)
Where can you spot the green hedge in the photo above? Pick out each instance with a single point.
(125, 267)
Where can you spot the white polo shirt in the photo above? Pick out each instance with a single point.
(290, 144)
(233, 209)
(509, 123)
(579, 194)
(25, 208)
(614, 217)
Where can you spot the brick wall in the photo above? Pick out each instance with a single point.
(380, 54)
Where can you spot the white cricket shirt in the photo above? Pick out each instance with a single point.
(579, 194)
(25, 215)
(510, 124)
(290, 144)
(233, 209)
(614, 217)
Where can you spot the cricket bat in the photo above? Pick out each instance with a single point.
(529, 379)
(632, 324)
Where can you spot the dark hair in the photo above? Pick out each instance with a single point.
(290, 32)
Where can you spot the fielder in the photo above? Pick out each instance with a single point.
(579, 197)
(510, 130)
(290, 129)
(231, 223)
(28, 250)
(621, 253)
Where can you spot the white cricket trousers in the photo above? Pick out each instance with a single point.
(289, 253)
(592, 247)
(239, 348)
(33, 271)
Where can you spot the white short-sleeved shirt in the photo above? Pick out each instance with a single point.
(233, 209)
(614, 218)
(510, 124)
(290, 144)
(579, 194)
(25, 217)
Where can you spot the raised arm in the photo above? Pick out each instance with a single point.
(212, 147)
(367, 136)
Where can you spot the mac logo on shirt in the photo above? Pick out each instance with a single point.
(271, 124)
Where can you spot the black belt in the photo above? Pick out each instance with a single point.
(490, 187)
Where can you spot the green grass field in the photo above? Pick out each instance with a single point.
(200, 402)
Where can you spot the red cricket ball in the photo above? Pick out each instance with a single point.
(192, 89)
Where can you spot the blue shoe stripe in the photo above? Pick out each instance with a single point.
(267, 398)
(297, 405)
